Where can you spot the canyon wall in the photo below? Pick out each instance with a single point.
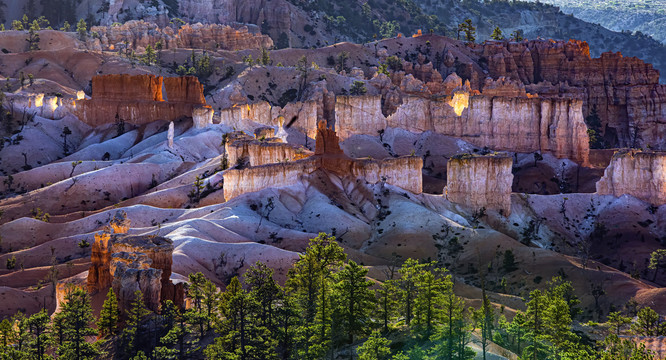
(517, 124)
(248, 116)
(139, 34)
(404, 172)
(480, 182)
(625, 91)
(238, 182)
(250, 152)
(641, 174)
(138, 99)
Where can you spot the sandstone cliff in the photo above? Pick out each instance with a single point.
(641, 174)
(480, 182)
(518, 124)
(251, 152)
(625, 91)
(403, 172)
(139, 99)
(138, 34)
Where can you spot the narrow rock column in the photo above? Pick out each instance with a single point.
(170, 135)
(480, 181)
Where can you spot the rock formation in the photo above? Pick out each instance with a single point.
(404, 172)
(170, 135)
(306, 115)
(247, 151)
(641, 174)
(129, 263)
(518, 124)
(138, 99)
(139, 34)
(480, 181)
(625, 91)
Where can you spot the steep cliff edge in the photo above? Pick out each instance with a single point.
(139, 99)
(624, 90)
(480, 182)
(641, 174)
(518, 124)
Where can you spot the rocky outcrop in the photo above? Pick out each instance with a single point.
(641, 174)
(404, 172)
(238, 182)
(480, 181)
(129, 263)
(519, 124)
(625, 91)
(305, 116)
(138, 99)
(252, 152)
(138, 34)
(186, 89)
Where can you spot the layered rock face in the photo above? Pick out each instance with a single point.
(641, 174)
(138, 99)
(139, 34)
(519, 124)
(480, 182)
(129, 263)
(305, 114)
(404, 172)
(252, 152)
(625, 91)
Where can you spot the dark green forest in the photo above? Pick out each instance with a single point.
(327, 309)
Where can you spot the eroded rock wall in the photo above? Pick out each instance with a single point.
(138, 34)
(519, 124)
(403, 172)
(138, 99)
(480, 182)
(251, 152)
(641, 174)
(247, 117)
(625, 91)
(238, 182)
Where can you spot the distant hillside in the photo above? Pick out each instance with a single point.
(646, 16)
(546, 21)
(317, 23)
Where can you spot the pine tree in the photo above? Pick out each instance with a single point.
(432, 286)
(135, 315)
(150, 57)
(33, 36)
(497, 34)
(38, 324)
(407, 284)
(265, 290)
(309, 281)
(616, 321)
(173, 342)
(82, 30)
(387, 301)
(375, 348)
(485, 318)
(77, 319)
(352, 302)
(109, 316)
(468, 29)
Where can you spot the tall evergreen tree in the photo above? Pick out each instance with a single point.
(135, 316)
(109, 315)
(352, 302)
(38, 324)
(77, 319)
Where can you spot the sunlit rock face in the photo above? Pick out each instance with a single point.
(139, 99)
(480, 181)
(519, 124)
(641, 174)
